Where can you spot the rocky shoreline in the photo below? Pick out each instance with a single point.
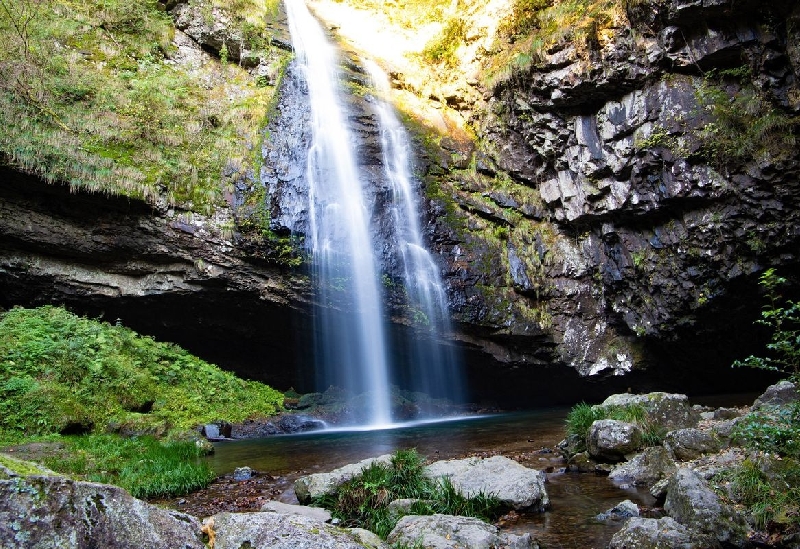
(687, 471)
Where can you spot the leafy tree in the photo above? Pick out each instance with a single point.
(783, 318)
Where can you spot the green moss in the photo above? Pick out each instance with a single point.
(87, 96)
(745, 125)
(20, 467)
(57, 369)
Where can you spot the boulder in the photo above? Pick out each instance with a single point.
(664, 533)
(689, 444)
(623, 510)
(319, 484)
(53, 511)
(693, 503)
(276, 531)
(778, 394)
(646, 468)
(612, 440)
(581, 463)
(368, 539)
(400, 507)
(668, 410)
(514, 485)
(450, 532)
(243, 473)
(316, 513)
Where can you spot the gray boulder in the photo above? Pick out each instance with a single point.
(449, 532)
(689, 444)
(612, 440)
(513, 484)
(316, 513)
(646, 468)
(276, 531)
(693, 503)
(52, 511)
(623, 510)
(781, 393)
(669, 410)
(664, 533)
(319, 484)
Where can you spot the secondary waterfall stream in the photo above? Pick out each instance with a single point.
(335, 210)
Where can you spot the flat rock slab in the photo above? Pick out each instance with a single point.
(664, 533)
(319, 484)
(316, 513)
(514, 485)
(450, 532)
(276, 531)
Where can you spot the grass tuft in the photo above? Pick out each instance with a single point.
(363, 500)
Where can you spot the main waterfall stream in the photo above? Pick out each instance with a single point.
(347, 227)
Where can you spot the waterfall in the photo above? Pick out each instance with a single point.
(351, 349)
(359, 214)
(434, 367)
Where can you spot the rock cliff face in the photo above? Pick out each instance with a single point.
(612, 217)
(626, 192)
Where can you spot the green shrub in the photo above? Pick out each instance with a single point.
(58, 369)
(363, 500)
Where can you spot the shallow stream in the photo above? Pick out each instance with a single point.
(528, 437)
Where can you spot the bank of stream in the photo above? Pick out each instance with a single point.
(528, 437)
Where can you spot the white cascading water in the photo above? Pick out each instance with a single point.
(350, 327)
(434, 367)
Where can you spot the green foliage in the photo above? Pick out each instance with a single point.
(782, 317)
(770, 491)
(535, 27)
(88, 95)
(57, 369)
(581, 417)
(744, 124)
(442, 49)
(772, 430)
(363, 500)
(144, 466)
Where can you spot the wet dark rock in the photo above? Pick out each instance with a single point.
(297, 424)
(219, 430)
(243, 473)
(621, 511)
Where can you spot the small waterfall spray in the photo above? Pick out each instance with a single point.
(433, 366)
(350, 333)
